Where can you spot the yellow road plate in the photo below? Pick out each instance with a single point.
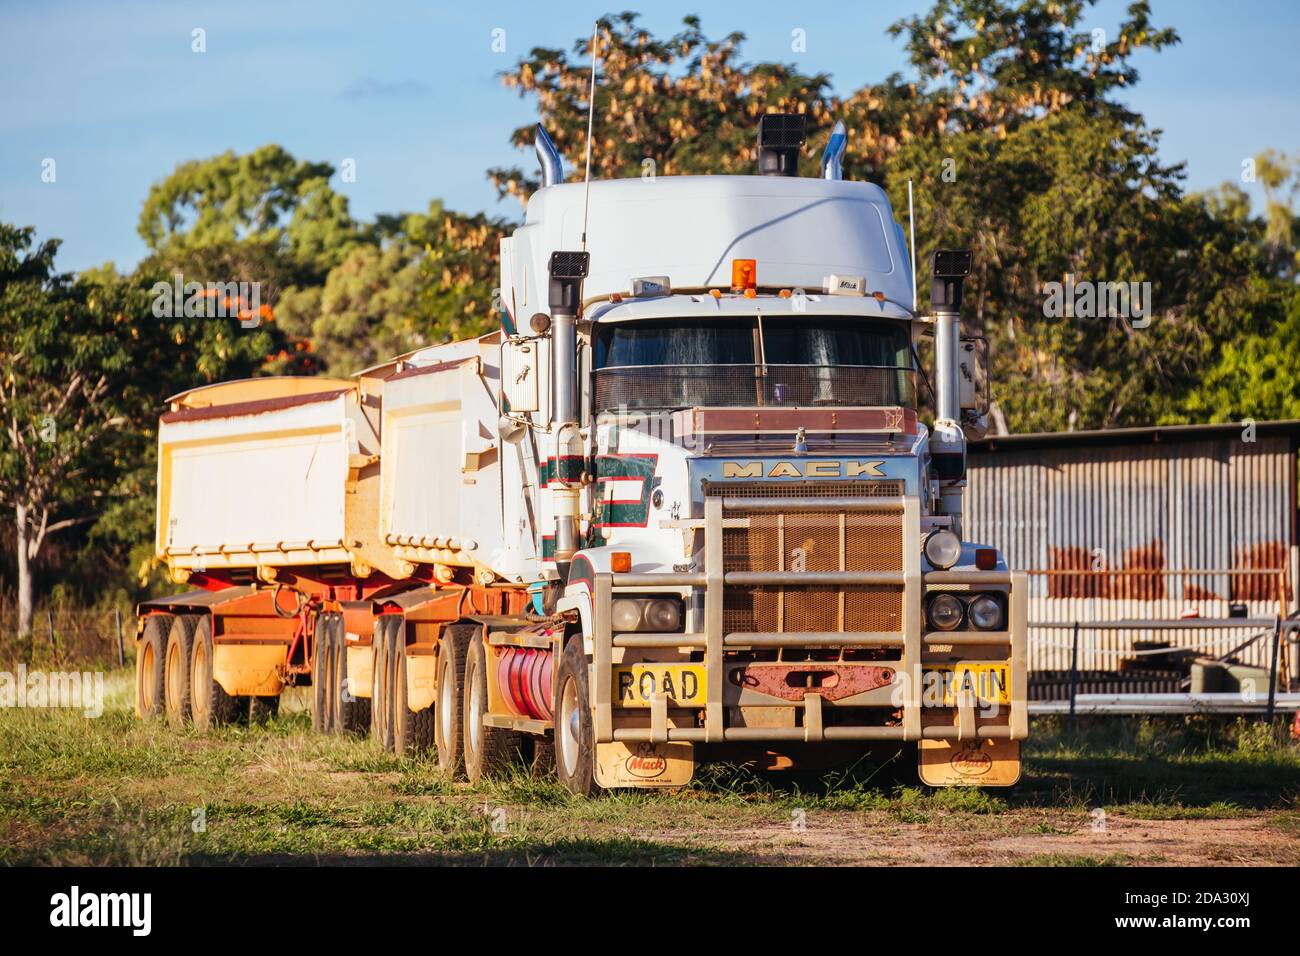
(635, 685)
(988, 683)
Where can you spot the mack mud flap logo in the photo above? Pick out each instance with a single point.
(76, 909)
(646, 763)
(971, 761)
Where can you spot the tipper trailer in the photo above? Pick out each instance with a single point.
(680, 507)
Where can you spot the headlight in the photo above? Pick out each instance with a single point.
(985, 612)
(663, 615)
(646, 614)
(942, 548)
(626, 615)
(945, 611)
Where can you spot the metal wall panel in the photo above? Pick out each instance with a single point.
(1202, 502)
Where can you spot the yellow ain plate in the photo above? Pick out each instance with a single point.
(635, 685)
(989, 683)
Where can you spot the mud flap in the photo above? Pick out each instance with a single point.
(644, 764)
(983, 763)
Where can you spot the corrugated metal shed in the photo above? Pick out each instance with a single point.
(1116, 525)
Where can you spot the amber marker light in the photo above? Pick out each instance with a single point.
(744, 274)
(620, 562)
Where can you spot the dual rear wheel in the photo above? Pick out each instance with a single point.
(175, 676)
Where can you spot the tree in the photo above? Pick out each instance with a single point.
(687, 104)
(84, 365)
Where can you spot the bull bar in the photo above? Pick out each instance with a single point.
(912, 637)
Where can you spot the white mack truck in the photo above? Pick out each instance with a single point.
(680, 508)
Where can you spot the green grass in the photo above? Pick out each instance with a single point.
(114, 790)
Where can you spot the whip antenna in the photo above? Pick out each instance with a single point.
(591, 116)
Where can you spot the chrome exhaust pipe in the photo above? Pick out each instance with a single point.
(833, 154)
(549, 158)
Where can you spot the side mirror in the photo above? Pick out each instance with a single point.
(520, 371)
(973, 374)
(973, 384)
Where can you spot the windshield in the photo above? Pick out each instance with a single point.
(818, 360)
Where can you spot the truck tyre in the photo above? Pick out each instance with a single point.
(488, 750)
(383, 699)
(412, 732)
(150, 653)
(353, 711)
(210, 705)
(542, 763)
(180, 641)
(264, 708)
(450, 696)
(320, 676)
(575, 738)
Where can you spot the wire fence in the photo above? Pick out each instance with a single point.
(62, 634)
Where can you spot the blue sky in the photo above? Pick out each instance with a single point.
(112, 92)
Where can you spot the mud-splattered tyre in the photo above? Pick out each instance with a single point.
(263, 709)
(353, 711)
(210, 705)
(488, 751)
(412, 731)
(449, 735)
(150, 655)
(176, 677)
(321, 667)
(575, 738)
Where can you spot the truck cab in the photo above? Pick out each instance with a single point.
(756, 540)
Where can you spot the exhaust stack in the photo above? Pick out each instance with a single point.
(549, 158)
(780, 135)
(567, 271)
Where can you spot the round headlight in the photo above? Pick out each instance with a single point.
(663, 615)
(626, 615)
(945, 611)
(985, 613)
(942, 548)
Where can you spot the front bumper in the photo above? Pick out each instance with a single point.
(875, 699)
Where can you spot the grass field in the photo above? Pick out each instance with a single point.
(113, 790)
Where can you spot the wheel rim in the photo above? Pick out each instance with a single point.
(174, 677)
(569, 727)
(446, 707)
(474, 719)
(200, 684)
(147, 678)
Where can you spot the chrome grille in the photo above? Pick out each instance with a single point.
(812, 541)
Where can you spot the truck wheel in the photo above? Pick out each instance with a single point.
(488, 750)
(353, 711)
(575, 739)
(383, 699)
(412, 732)
(448, 730)
(180, 641)
(210, 705)
(150, 654)
(263, 709)
(320, 676)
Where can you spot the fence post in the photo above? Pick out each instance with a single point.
(1272, 671)
(121, 651)
(1074, 672)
